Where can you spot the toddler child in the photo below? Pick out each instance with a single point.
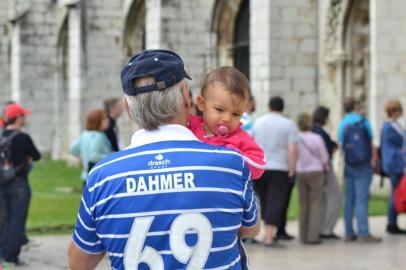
(223, 100)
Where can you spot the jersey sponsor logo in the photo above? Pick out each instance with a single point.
(160, 182)
(159, 162)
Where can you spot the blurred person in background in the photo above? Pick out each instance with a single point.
(277, 135)
(312, 163)
(332, 197)
(246, 120)
(392, 157)
(17, 191)
(355, 137)
(2, 116)
(114, 109)
(92, 145)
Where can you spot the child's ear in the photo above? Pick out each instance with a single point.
(200, 103)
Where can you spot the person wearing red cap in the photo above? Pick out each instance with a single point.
(17, 192)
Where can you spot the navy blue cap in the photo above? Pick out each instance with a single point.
(166, 67)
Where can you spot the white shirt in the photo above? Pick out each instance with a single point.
(274, 132)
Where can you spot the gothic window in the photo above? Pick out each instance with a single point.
(241, 47)
(357, 46)
(134, 32)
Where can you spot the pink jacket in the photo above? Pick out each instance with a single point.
(237, 140)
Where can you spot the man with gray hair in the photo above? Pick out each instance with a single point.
(159, 203)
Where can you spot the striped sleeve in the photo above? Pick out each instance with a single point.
(251, 206)
(85, 236)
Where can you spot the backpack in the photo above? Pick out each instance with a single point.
(400, 196)
(378, 165)
(357, 144)
(7, 169)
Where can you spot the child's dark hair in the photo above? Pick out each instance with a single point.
(231, 78)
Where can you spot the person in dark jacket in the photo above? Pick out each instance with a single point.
(332, 197)
(392, 157)
(114, 109)
(17, 192)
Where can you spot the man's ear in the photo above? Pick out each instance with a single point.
(186, 96)
(127, 108)
(200, 103)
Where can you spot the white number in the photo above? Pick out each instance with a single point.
(195, 256)
(133, 253)
(198, 253)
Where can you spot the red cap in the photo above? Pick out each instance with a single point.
(14, 110)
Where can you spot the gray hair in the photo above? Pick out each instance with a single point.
(152, 109)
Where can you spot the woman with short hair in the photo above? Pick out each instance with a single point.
(92, 145)
(392, 157)
(311, 164)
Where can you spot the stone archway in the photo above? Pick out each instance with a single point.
(134, 41)
(224, 19)
(134, 29)
(60, 141)
(346, 45)
(241, 46)
(69, 81)
(357, 45)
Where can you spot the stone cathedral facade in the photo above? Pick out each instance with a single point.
(61, 58)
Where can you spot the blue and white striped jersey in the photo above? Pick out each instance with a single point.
(167, 202)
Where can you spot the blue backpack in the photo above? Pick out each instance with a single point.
(357, 144)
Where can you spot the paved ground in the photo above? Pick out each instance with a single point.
(332, 255)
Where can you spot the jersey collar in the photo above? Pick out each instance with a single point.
(164, 133)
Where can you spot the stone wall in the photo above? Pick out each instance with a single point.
(288, 54)
(36, 67)
(185, 28)
(102, 52)
(294, 54)
(4, 55)
(390, 53)
(261, 70)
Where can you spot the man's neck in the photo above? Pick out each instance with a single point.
(176, 122)
(13, 126)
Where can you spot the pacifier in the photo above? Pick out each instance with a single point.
(223, 130)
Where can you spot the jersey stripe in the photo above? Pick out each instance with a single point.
(170, 212)
(161, 233)
(166, 170)
(182, 190)
(226, 266)
(163, 151)
(86, 242)
(84, 225)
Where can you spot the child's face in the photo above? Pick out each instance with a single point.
(220, 107)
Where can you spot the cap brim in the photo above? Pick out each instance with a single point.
(26, 111)
(187, 75)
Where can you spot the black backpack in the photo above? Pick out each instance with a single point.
(7, 169)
